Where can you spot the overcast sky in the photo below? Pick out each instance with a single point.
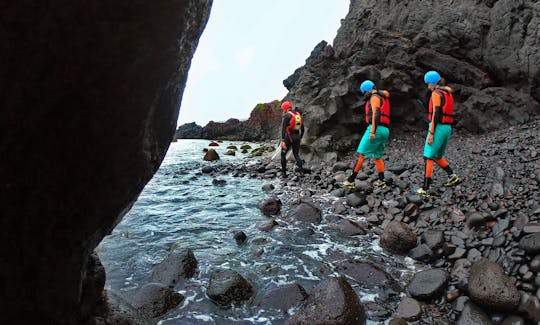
(248, 48)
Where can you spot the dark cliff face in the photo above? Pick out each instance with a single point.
(488, 51)
(263, 124)
(91, 94)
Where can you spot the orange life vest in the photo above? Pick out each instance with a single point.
(295, 123)
(447, 103)
(384, 110)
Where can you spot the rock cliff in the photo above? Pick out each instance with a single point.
(90, 96)
(488, 51)
(263, 124)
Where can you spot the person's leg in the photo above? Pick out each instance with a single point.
(444, 165)
(357, 168)
(284, 157)
(379, 165)
(296, 153)
(428, 174)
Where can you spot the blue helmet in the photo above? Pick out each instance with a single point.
(367, 86)
(432, 77)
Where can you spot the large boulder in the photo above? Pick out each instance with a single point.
(489, 287)
(228, 286)
(211, 155)
(305, 212)
(176, 267)
(486, 50)
(100, 84)
(270, 206)
(334, 302)
(398, 237)
(155, 299)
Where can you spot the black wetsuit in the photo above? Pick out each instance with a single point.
(292, 139)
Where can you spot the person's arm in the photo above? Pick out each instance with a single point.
(285, 124)
(436, 101)
(375, 114)
(302, 131)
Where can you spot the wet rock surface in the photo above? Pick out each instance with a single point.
(228, 286)
(155, 299)
(284, 298)
(333, 301)
(175, 268)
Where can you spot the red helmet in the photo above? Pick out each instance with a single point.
(286, 106)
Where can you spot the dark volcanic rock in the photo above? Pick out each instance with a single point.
(499, 89)
(101, 83)
(350, 228)
(189, 131)
(305, 212)
(434, 239)
(270, 206)
(93, 283)
(491, 288)
(366, 273)
(227, 286)
(262, 124)
(428, 284)
(211, 155)
(240, 237)
(409, 309)
(473, 315)
(333, 301)
(398, 237)
(356, 199)
(529, 307)
(530, 243)
(421, 253)
(155, 299)
(175, 267)
(283, 298)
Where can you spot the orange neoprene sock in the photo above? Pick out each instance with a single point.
(441, 162)
(379, 164)
(429, 168)
(359, 163)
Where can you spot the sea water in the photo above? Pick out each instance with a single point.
(181, 208)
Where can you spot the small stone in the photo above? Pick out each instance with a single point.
(268, 187)
(459, 253)
(428, 284)
(267, 226)
(421, 253)
(240, 237)
(433, 238)
(409, 309)
(473, 315)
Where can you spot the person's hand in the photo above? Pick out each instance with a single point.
(430, 139)
(372, 136)
(283, 145)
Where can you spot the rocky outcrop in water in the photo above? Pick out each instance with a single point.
(91, 92)
(486, 50)
(263, 124)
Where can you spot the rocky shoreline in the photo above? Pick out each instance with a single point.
(479, 240)
(475, 247)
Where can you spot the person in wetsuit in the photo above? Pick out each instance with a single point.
(292, 131)
(441, 117)
(376, 135)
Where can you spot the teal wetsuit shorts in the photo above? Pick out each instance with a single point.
(374, 148)
(440, 140)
